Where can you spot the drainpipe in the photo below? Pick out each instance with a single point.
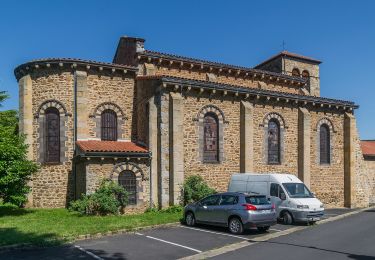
(151, 201)
(75, 133)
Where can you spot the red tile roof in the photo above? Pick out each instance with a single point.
(368, 147)
(110, 146)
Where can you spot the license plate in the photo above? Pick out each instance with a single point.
(265, 211)
(314, 219)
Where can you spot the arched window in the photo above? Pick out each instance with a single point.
(127, 179)
(295, 72)
(325, 144)
(210, 138)
(305, 74)
(273, 139)
(52, 153)
(109, 125)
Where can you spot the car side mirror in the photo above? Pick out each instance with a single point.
(282, 196)
(313, 194)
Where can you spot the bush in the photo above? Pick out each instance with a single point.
(15, 168)
(173, 209)
(109, 198)
(194, 189)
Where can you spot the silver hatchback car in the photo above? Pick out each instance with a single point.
(235, 210)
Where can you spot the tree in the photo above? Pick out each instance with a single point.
(15, 169)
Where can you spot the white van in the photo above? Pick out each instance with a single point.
(293, 200)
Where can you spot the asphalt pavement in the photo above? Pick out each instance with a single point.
(180, 241)
(349, 238)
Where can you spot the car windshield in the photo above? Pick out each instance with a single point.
(297, 190)
(257, 200)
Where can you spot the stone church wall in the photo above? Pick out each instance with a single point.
(221, 78)
(115, 90)
(96, 170)
(52, 185)
(327, 181)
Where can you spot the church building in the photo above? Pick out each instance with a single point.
(148, 120)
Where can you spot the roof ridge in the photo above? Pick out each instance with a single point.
(213, 63)
(246, 88)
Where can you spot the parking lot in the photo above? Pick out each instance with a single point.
(170, 242)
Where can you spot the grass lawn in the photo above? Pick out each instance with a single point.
(44, 227)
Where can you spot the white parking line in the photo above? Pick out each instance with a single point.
(171, 243)
(331, 214)
(218, 233)
(274, 229)
(88, 252)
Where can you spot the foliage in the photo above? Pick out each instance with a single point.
(109, 198)
(15, 169)
(194, 189)
(171, 209)
(3, 96)
(151, 209)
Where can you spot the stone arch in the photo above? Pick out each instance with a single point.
(274, 115)
(139, 177)
(96, 116)
(108, 105)
(327, 122)
(305, 74)
(296, 72)
(41, 121)
(51, 103)
(127, 166)
(214, 110)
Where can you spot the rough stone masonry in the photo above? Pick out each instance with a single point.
(149, 120)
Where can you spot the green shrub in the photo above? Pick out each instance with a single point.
(173, 209)
(109, 198)
(151, 209)
(194, 189)
(15, 168)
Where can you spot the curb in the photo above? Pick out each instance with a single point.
(87, 236)
(235, 246)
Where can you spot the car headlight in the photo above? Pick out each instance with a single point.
(302, 206)
(321, 205)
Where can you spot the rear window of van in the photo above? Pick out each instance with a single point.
(257, 200)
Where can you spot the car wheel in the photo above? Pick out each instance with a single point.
(235, 226)
(190, 219)
(263, 229)
(287, 218)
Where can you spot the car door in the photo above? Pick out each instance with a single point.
(276, 194)
(204, 212)
(223, 210)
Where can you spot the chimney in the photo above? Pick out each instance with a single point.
(127, 50)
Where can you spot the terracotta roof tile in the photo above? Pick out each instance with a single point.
(368, 147)
(110, 146)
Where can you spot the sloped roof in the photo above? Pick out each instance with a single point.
(289, 54)
(368, 147)
(110, 147)
(241, 89)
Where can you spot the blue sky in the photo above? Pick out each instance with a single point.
(340, 33)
